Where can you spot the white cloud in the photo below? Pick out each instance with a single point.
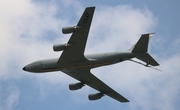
(117, 28)
(25, 29)
(12, 100)
(23, 26)
(9, 100)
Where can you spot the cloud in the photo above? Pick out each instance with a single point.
(119, 27)
(30, 28)
(10, 98)
(115, 29)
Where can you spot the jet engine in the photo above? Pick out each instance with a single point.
(60, 47)
(95, 96)
(75, 86)
(70, 29)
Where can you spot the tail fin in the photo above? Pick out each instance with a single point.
(142, 47)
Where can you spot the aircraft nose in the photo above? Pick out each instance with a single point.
(24, 68)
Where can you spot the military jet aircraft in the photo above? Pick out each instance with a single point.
(74, 63)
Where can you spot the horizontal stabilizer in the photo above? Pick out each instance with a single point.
(147, 59)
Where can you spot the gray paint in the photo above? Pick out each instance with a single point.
(74, 63)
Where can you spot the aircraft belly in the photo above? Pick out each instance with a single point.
(110, 56)
(92, 61)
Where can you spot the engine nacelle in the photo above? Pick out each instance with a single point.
(75, 86)
(70, 29)
(95, 96)
(60, 47)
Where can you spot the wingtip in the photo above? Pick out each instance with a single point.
(90, 7)
(126, 101)
(150, 34)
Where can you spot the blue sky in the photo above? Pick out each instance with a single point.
(29, 29)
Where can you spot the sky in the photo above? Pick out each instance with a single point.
(30, 28)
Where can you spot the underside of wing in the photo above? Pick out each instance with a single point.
(77, 42)
(86, 77)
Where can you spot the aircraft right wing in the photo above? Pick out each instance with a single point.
(86, 77)
(75, 53)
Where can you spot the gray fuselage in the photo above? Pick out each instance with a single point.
(93, 61)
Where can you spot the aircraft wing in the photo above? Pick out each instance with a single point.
(86, 77)
(75, 52)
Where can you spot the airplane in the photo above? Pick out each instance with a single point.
(74, 63)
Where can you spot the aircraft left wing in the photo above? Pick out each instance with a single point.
(86, 77)
(75, 52)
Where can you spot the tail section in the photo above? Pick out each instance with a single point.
(141, 47)
(148, 59)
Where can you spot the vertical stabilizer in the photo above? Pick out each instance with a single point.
(142, 45)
